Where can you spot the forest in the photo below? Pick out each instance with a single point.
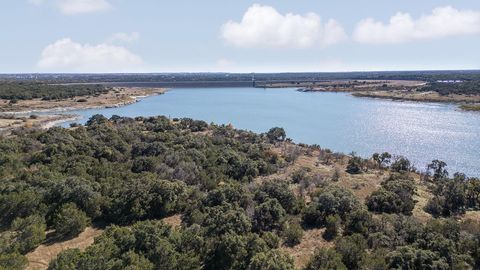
(127, 174)
(24, 90)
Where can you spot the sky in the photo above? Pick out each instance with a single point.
(90, 36)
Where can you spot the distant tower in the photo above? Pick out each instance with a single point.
(253, 80)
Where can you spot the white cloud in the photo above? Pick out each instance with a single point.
(74, 7)
(124, 37)
(442, 22)
(265, 27)
(66, 55)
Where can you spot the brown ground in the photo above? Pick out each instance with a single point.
(42, 255)
(115, 98)
(11, 122)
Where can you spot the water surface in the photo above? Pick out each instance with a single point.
(420, 131)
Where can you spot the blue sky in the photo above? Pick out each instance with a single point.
(238, 36)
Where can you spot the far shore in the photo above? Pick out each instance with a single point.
(394, 90)
(22, 113)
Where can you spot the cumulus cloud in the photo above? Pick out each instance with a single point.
(264, 27)
(66, 55)
(441, 23)
(74, 7)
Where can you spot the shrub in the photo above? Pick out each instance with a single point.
(276, 134)
(292, 233)
(271, 260)
(352, 248)
(325, 259)
(268, 215)
(354, 166)
(70, 221)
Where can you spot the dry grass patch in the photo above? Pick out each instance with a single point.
(311, 240)
(42, 255)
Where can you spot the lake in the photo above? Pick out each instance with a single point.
(420, 131)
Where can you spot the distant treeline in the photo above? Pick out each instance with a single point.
(466, 87)
(31, 90)
(430, 76)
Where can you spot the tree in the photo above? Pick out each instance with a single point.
(276, 134)
(325, 259)
(332, 225)
(332, 200)
(66, 260)
(278, 190)
(382, 159)
(232, 251)
(401, 164)
(70, 221)
(12, 261)
(411, 258)
(358, 222)
(354, 165)
(30, 232)
(395, 196)
(268, 215)
(352, 248)
(271, 260)
(438, 168)
(227, 219)
(293, 233)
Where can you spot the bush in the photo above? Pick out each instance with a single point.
(30, 233)
(331, 201)
(70, 221)
(276, 134)
(13, 261)
(268, 215)
(354, 165)
(332, 225)
(325, 259)
(271, 260)
(352, 248)
(292, 233)
(395, 196)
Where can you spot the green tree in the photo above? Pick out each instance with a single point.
(12, 261)
(271, 260)
(70, 221)
(268, 215)
(353, 250)
(292, 233)
(325, 259)
(276, 134)
(30, 232)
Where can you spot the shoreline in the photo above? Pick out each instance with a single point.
(464, 103)
(52, 112)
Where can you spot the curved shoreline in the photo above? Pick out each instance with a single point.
(56, 111)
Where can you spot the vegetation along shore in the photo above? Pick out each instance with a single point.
(20, 100)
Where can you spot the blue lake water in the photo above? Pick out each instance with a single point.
(420, 131)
